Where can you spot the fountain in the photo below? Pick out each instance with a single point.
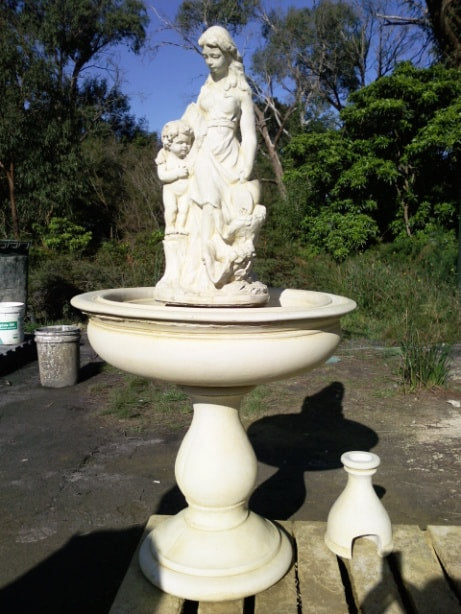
(211, 328)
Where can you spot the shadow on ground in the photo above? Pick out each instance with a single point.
(311, 440)
(82, 577)
(85, 574)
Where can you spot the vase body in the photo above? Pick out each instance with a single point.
(358, 512)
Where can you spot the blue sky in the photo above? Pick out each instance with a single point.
(160, 85)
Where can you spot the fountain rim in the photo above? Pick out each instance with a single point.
(284, 304)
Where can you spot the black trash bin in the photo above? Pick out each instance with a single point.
(14, 263)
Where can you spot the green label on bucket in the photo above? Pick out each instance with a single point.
(8, 325)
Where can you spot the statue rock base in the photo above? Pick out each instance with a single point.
(235, 294)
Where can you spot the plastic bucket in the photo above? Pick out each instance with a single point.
(58, 351)
(11, 323)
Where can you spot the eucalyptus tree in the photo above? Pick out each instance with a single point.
(308, 61)
(54, 99)
(439, 19)
(195, 15)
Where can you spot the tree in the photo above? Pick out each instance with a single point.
(20, 73)
(308, 62)
(193, 16)
(313, 58)
(445, 20)
(441, 22)
(394, 161)
(52, 108)
(73, 33)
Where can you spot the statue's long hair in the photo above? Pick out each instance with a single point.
(219, 37)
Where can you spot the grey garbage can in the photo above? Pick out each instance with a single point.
(58, 351)
(14, 263)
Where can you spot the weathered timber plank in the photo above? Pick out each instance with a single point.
(447, 544)
(283, 596)
(373, 585)
(221, 607)
(421, 573)
(137, 595)
(321, 588)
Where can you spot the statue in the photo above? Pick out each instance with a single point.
(177, 138)
(212, 209)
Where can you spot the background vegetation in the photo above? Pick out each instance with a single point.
(359, 118)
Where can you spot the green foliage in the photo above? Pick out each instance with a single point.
(391, 171)
(424, 364)
(313, 53)
(51, 286)
(62, 235)
(49, 109)
(197, 15)
(340, 234)
(414, 276)
(55, 276)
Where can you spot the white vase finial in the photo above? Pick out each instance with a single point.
(358, 512)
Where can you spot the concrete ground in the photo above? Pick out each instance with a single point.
(77, 488)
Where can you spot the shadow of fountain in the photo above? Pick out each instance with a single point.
(310, 440)
(172, 502)
(394, 593)
(82, 576)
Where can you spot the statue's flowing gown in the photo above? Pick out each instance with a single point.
(215, 177)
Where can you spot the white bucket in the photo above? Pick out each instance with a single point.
(11, 323)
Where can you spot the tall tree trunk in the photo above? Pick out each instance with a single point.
(404, 196)
(406, 219)
(459, 225)
(272, 152)
(445, 18)
(9, 173)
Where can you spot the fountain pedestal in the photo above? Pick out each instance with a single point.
(215, 549)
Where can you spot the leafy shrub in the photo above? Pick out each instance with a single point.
(386, 282)
(51, 286)
(62, 235)
(55, 277)
(340, 234)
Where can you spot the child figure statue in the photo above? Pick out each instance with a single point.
(173, 172)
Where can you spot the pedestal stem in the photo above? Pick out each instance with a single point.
(216, 465)
(216, 549)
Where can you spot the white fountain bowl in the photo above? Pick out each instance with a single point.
(213, 346)
(215, 549)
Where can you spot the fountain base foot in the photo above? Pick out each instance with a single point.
(203, 565)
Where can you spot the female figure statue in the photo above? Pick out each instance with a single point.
(224, 213)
